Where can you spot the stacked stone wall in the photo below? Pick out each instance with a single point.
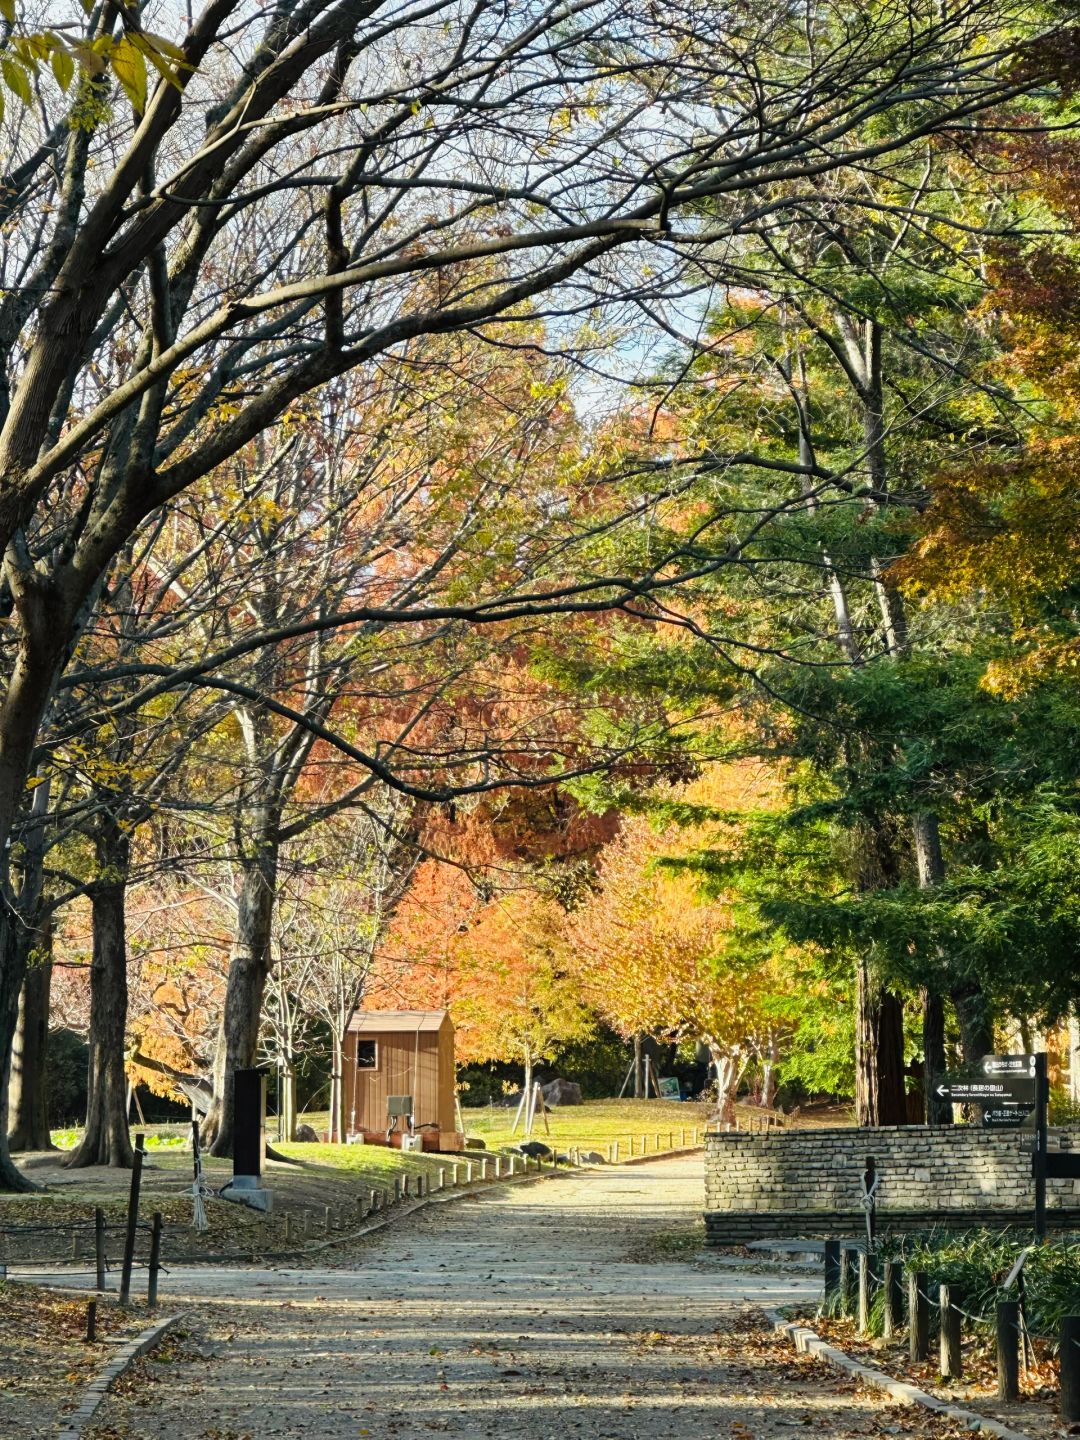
(809, 1182)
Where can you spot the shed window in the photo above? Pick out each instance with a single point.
(367, 1055)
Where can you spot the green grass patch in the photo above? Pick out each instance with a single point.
(598, 1123)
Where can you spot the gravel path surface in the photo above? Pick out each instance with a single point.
(515, 1314)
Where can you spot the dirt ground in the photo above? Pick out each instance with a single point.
(534, 1311)
(45, 1360)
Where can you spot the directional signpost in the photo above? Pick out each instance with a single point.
(1005, 1090)
(1012, 1089)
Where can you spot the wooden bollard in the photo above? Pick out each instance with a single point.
(671, 1140)
(615, 1152)
(442, 1177)
(1069, 1356)
(305, 1223)
(99, 1248)
(155, 1261)
(682, 1139)
(91, 1321)
(373, 1200)
(866, 1278)
(892, 1315)
(918, 1315)
(398, 1188)
(832, 1276)
(132, 1219)
(468, 1172)
(845, 1281)
(498, 1167)
(483, 1169)
(1008, 1349)
(952, 1364)
(328, 1223)
(644, 1144)
(406, 1187)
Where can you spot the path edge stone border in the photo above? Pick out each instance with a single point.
(808, 1342)
(73, 1425)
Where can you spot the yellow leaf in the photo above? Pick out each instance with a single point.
(16, 78)
(130, 69)
(63, 67)
(7, 10)
(165, 47)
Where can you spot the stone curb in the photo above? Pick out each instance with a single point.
(807, 1342)
(72, 1426)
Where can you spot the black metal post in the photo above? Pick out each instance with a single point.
(99, 1248)
(1038, 1158)
(91, 1321)
(845, 1281)
(1070, 1367)
(893, 1313)
(155, 1261)
(918, 1315)
(1008, 1349)
(132, 1219)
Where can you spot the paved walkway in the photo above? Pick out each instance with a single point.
(515, 1314)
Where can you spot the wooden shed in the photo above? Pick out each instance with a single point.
(393, 1053)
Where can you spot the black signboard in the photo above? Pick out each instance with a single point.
(1007, 1081)
(1004, 1117)
(1002, 1091)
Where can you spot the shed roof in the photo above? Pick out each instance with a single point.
(388, 1022)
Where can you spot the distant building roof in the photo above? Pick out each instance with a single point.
(391, 1021)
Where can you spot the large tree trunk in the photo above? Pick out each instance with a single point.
(107, 1141)
(249, 965)
(930, 864)
(19, 915)
(975, 1016)
(28, 1119)
(879, 1053)
(639, 1070)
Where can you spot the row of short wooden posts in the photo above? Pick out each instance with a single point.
(852, 1283)
(637, 1145)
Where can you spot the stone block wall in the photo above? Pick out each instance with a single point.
(809, 1182)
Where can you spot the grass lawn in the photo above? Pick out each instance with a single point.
(597, 1124)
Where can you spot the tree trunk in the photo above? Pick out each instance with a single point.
(935, 1110)
(638, 1069)
(28, 1119)
(975, 1016)
(249, 965)
(107, 1140)
(879, 1053)
(729, 1071)
(288, 1092)
(337, 1093)
(768, 1073)
(930, 864)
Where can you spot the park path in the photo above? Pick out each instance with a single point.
(518, 1313)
